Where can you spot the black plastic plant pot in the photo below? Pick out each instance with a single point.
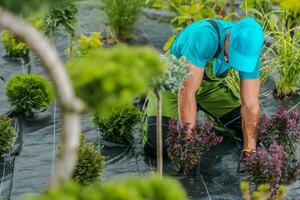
(7, 161)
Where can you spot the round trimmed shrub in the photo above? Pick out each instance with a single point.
(7, 135)
(13, 46)
(117, 125)
(146, 188)
(28, 92)
(90, 164)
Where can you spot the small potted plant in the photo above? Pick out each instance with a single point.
(7, 135)
(90, 164)
(117, 125)
(86, 44)
(282, 128)
(187, 152)
(29, 93)
(13, 46)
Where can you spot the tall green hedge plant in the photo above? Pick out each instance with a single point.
(121, 16)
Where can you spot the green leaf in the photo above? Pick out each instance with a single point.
(169, 43)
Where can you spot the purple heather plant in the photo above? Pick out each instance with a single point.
(186, 152)
(282, 128)
(271, 166)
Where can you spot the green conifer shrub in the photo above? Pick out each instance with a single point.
(117, 125)
(90, 164)
(29, 92)
(7, 135)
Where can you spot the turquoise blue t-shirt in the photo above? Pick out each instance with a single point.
(198, 42)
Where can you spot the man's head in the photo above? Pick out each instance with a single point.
(243, 45)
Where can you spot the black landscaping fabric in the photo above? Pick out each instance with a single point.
(215, 177)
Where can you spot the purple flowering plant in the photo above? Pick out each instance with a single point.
(187, 151)
(271, 166)
(282, 128)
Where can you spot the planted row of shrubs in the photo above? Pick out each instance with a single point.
(274, 162)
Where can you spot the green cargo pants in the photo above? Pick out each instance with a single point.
(214, 97)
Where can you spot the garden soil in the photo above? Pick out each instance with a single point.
(216, 177)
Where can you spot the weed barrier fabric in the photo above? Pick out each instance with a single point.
(215, 177)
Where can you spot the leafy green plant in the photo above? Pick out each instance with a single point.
(262, 192)
(262, 6)
(188, 11)
(13, 46)
(30, 6)
(117, 125)
(291, 10)
(87, 44)
(109, 76)
(282, 56)
(146, 188)
(122, 16)
(37, 21)
(28, 92)
(7, 135)
(288, 58)
(90, 164)
(64, 16)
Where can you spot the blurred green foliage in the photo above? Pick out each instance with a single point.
(263, 6)
(291, 10)
(64, 16)
(262, 192)
(7, 135)
(31, 6)
(28, 92)
(87, 44)
(13, 46)
(90, 164)
(116, 75)
(117, 125)
(146, 188)
(122, 16)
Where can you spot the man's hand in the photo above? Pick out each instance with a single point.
(187, 106)
(250, 112)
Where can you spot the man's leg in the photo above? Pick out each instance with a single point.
(169, 111)
(233, 121)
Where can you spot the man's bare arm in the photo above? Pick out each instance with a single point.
(187, 106)
(250, 111)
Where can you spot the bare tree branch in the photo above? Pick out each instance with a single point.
(70, 105)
